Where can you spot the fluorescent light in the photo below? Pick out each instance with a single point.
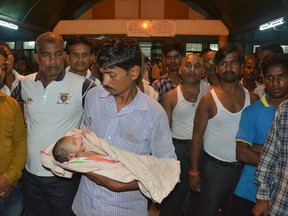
(272, 24)
(8, 25)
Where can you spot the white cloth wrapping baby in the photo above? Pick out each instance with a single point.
(156, 177)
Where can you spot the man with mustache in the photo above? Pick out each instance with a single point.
(180, 105)
(122, 115)
(215, 126)
(172, 54)
(53, 102)
(80, 56)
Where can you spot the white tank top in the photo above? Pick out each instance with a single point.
(184, 112)
(219, 138)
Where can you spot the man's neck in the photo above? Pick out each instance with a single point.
(230, 87)
(174, 76)
(9, 79)
(81, 73)
(125, 98)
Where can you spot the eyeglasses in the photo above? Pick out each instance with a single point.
(175, 58)
(232, 63)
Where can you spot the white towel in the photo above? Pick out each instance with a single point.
(156, 177)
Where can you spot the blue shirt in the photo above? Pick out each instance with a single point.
(253, 129)
(141, 127)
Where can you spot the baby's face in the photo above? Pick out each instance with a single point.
(79, 145)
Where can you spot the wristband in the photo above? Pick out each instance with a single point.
(193, 173)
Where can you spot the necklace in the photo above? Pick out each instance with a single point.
(190, 95)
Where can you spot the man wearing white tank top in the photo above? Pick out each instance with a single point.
(180, 105)
(215, 126)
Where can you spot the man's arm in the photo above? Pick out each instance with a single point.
(265, 173)
(19, 143)
(261, 208)
(168, 104)
(112, 184)
(245, 153)
(200, 123)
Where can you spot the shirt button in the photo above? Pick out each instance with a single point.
(109, 137)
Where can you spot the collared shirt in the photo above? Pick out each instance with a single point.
(18, 77)
(254, 126)
(141, 127)
(272, 171)
(88, 76)
(50, 112)
(163, 85)
(13, 143)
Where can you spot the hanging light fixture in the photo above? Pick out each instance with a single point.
(272, 24)
(8, 25)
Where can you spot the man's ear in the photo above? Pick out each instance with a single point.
(67, 60)
(135, 72)
(36, 58)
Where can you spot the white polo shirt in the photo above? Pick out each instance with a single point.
(50, 112)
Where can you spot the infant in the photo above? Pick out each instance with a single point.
(69, 148)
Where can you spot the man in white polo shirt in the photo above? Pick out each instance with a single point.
(53, 105)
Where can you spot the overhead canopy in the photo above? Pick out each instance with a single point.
(238, 15)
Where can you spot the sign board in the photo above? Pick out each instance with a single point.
(155, 28)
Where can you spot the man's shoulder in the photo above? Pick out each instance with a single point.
(8, 99)
(161, 79)
(254, 109)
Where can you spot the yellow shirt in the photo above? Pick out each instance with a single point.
(13, 141)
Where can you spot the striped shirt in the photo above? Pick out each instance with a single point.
(272, 171)
(141, 127)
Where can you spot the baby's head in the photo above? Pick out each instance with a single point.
(66, 148)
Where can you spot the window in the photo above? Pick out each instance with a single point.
(11, 45)
(29, 45)
(214, 46)
(285, 48)
(146, 48)
(193, 48)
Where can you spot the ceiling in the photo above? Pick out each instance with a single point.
(37, 16)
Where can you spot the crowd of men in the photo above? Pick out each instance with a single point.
(223, 117)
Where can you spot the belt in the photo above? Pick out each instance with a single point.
(235, 165)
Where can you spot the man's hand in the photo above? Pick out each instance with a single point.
(112, 184)
(260, 208)
(194, 183)
(5, 186)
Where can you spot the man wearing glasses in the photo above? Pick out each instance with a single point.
(172, 51)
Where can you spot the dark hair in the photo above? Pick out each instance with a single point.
(97, 46)
(4, 44)
(273, 47)
(204, 51)
(124, 53)
(226, 50)
(272, 60)
(19, 56)
(48, 37)
(59, 153)
(173, 45)
(77, 39)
